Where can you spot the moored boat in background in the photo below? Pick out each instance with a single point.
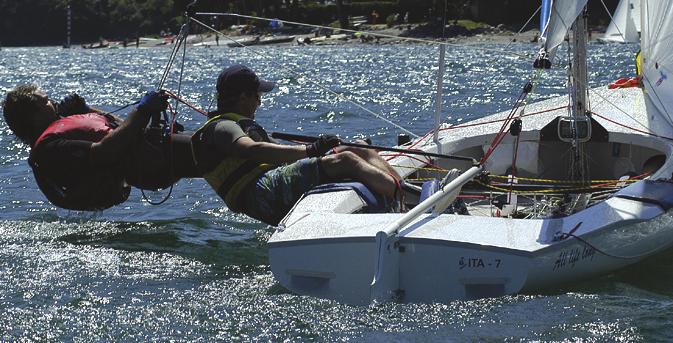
(625, 24)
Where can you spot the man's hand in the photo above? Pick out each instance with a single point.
(72, 104)
(120, 142)
(323, 144)
(153, 102)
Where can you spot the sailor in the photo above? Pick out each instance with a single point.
(84, 159)
(263, 179)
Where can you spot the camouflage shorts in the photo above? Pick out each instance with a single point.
(275, 192)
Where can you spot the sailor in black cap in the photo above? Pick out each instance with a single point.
(259, 177)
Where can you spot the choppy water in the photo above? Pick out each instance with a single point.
(190, 270)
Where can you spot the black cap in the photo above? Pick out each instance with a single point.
(238, 78)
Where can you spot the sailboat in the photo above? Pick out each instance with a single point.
(625, 24)
(558, 191)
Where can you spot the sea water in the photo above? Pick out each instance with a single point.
(191, 270)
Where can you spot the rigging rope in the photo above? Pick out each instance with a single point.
(438, 169)
(291, 70)
(630, 127)
(654, 90)
(188, 104)
(612, 20)
(376, 34)
(522, 101)
(501, 120)
(607, 100)
(170, 163)
(182, 38)
(545, 191)
(181, 42)
(353, 31)
(500, 136)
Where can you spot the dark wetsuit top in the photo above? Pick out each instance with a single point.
(67, 161)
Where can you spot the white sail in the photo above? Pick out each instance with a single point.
(625, 24)
(563, 15)
(657, 64)
(635, 16)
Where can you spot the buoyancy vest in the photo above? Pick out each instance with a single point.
(90, 127)
(229, 176)
(90, 190)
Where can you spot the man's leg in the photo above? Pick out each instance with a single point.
(371, 156)
(348, 164)
(273, 195)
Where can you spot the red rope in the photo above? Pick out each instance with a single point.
(472, 197)
(427, 162)
(171, 94)
(630, 127)
(499, 120)
(607, 184)
(502, 133)
(398, 191)
(391, 156)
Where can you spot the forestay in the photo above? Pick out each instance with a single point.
(657, 64)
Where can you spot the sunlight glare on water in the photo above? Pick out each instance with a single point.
(191, 269)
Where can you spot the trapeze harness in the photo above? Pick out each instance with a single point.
(90, 190)
(228, 176)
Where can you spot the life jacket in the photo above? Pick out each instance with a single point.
(229, 176)
(89, 190)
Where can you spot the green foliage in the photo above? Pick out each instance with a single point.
(40, 22)
(390, 20)
(44, 21)
(471, 25)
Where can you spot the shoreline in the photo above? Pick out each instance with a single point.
(394, 35)
(398, 34)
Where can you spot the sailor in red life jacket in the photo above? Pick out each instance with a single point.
(255, 175)
(84, 159)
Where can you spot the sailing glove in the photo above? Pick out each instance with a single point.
(153, 102)
(72, 104)
(322, 145)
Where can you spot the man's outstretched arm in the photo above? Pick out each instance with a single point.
(278, 154)
(115, 145)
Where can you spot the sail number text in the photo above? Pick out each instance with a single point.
(478, 262)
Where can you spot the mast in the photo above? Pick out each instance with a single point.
(579, 66)
(578, 94)
(67, 26)
(440, 84)
(438, 97)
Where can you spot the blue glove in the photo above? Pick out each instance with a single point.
(153, 102)
(72, 104)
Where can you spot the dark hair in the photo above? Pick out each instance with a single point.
(17, 106)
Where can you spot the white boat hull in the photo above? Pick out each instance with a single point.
(322, 249)
(441, 269)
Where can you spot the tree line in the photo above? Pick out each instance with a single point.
(43, 22)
